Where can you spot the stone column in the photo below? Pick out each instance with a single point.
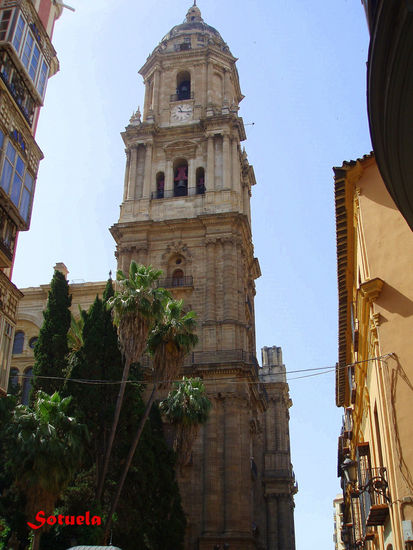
(219, 280)
(240, 294)
(210, 281)
(227, 86)
(233, 471)
(235, 184)
(132, 173)
(210, 183)
(229, 279)
(205, 82)
(127, 170)
(211, 475)
(210, 72)
(169, 179)
(191, 175)
(272, 523)
(226, 164)
(147, 184)
(284, 513)
(155, 98)
(146, 103)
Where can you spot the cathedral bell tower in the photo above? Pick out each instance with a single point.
(186, 210)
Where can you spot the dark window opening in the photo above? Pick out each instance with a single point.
(180, 178)
(18, 343)
(183, 85)
(200, 181)
(160, 185)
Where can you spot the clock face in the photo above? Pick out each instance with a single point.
(180, 113)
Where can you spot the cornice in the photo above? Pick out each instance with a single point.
(346, 178)
(371, 289)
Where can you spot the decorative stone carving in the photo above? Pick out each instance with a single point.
(135, 119)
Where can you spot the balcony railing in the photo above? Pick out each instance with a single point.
(374, 498)
(181, 97)
(183, 47)
(197, 358)
(171, 193)
(176, 282)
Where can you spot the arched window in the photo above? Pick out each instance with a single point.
(178, 277)
(160, 185)
(27, 385)
(183, 85)
(18, 342)
(180, 178)
(200, 181)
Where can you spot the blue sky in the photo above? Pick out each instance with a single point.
(302, 69)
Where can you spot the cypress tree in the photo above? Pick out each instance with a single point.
(51, 348)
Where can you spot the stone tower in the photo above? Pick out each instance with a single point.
(186, 210)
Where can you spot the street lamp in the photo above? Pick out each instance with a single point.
(349, 470)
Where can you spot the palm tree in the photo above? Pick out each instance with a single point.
(186, 407)
(171, 338)
(75, 334)
(135, 305)
(47, 445)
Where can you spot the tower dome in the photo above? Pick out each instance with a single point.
(192, 25)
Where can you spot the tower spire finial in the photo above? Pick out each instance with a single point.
(194, 13)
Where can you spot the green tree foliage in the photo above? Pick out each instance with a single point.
(151, 501)
(186, 407)
(51, 348)
(135, 305)
(12, 502)
(98, 358)
(44, 452)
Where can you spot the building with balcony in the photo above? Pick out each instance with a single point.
(374, 376)
(389, 93)
(27, 61)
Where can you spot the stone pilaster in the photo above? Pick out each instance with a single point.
(210, 280)
(272, 522)
(233, 469)
(147, 177)
(229, 279)
(212, 484)
(226, 163)
(132, 172)
(210, 180)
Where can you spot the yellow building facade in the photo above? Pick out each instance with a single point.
(374, 378)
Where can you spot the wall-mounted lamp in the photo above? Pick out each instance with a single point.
(349, 470)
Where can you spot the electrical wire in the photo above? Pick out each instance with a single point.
(326, 370)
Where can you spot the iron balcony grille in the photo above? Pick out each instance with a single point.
(213, 357)
(181, 97)
(374, 496)
(176, 282)
(171, 193)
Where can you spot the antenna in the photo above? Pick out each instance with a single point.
(60, 3)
